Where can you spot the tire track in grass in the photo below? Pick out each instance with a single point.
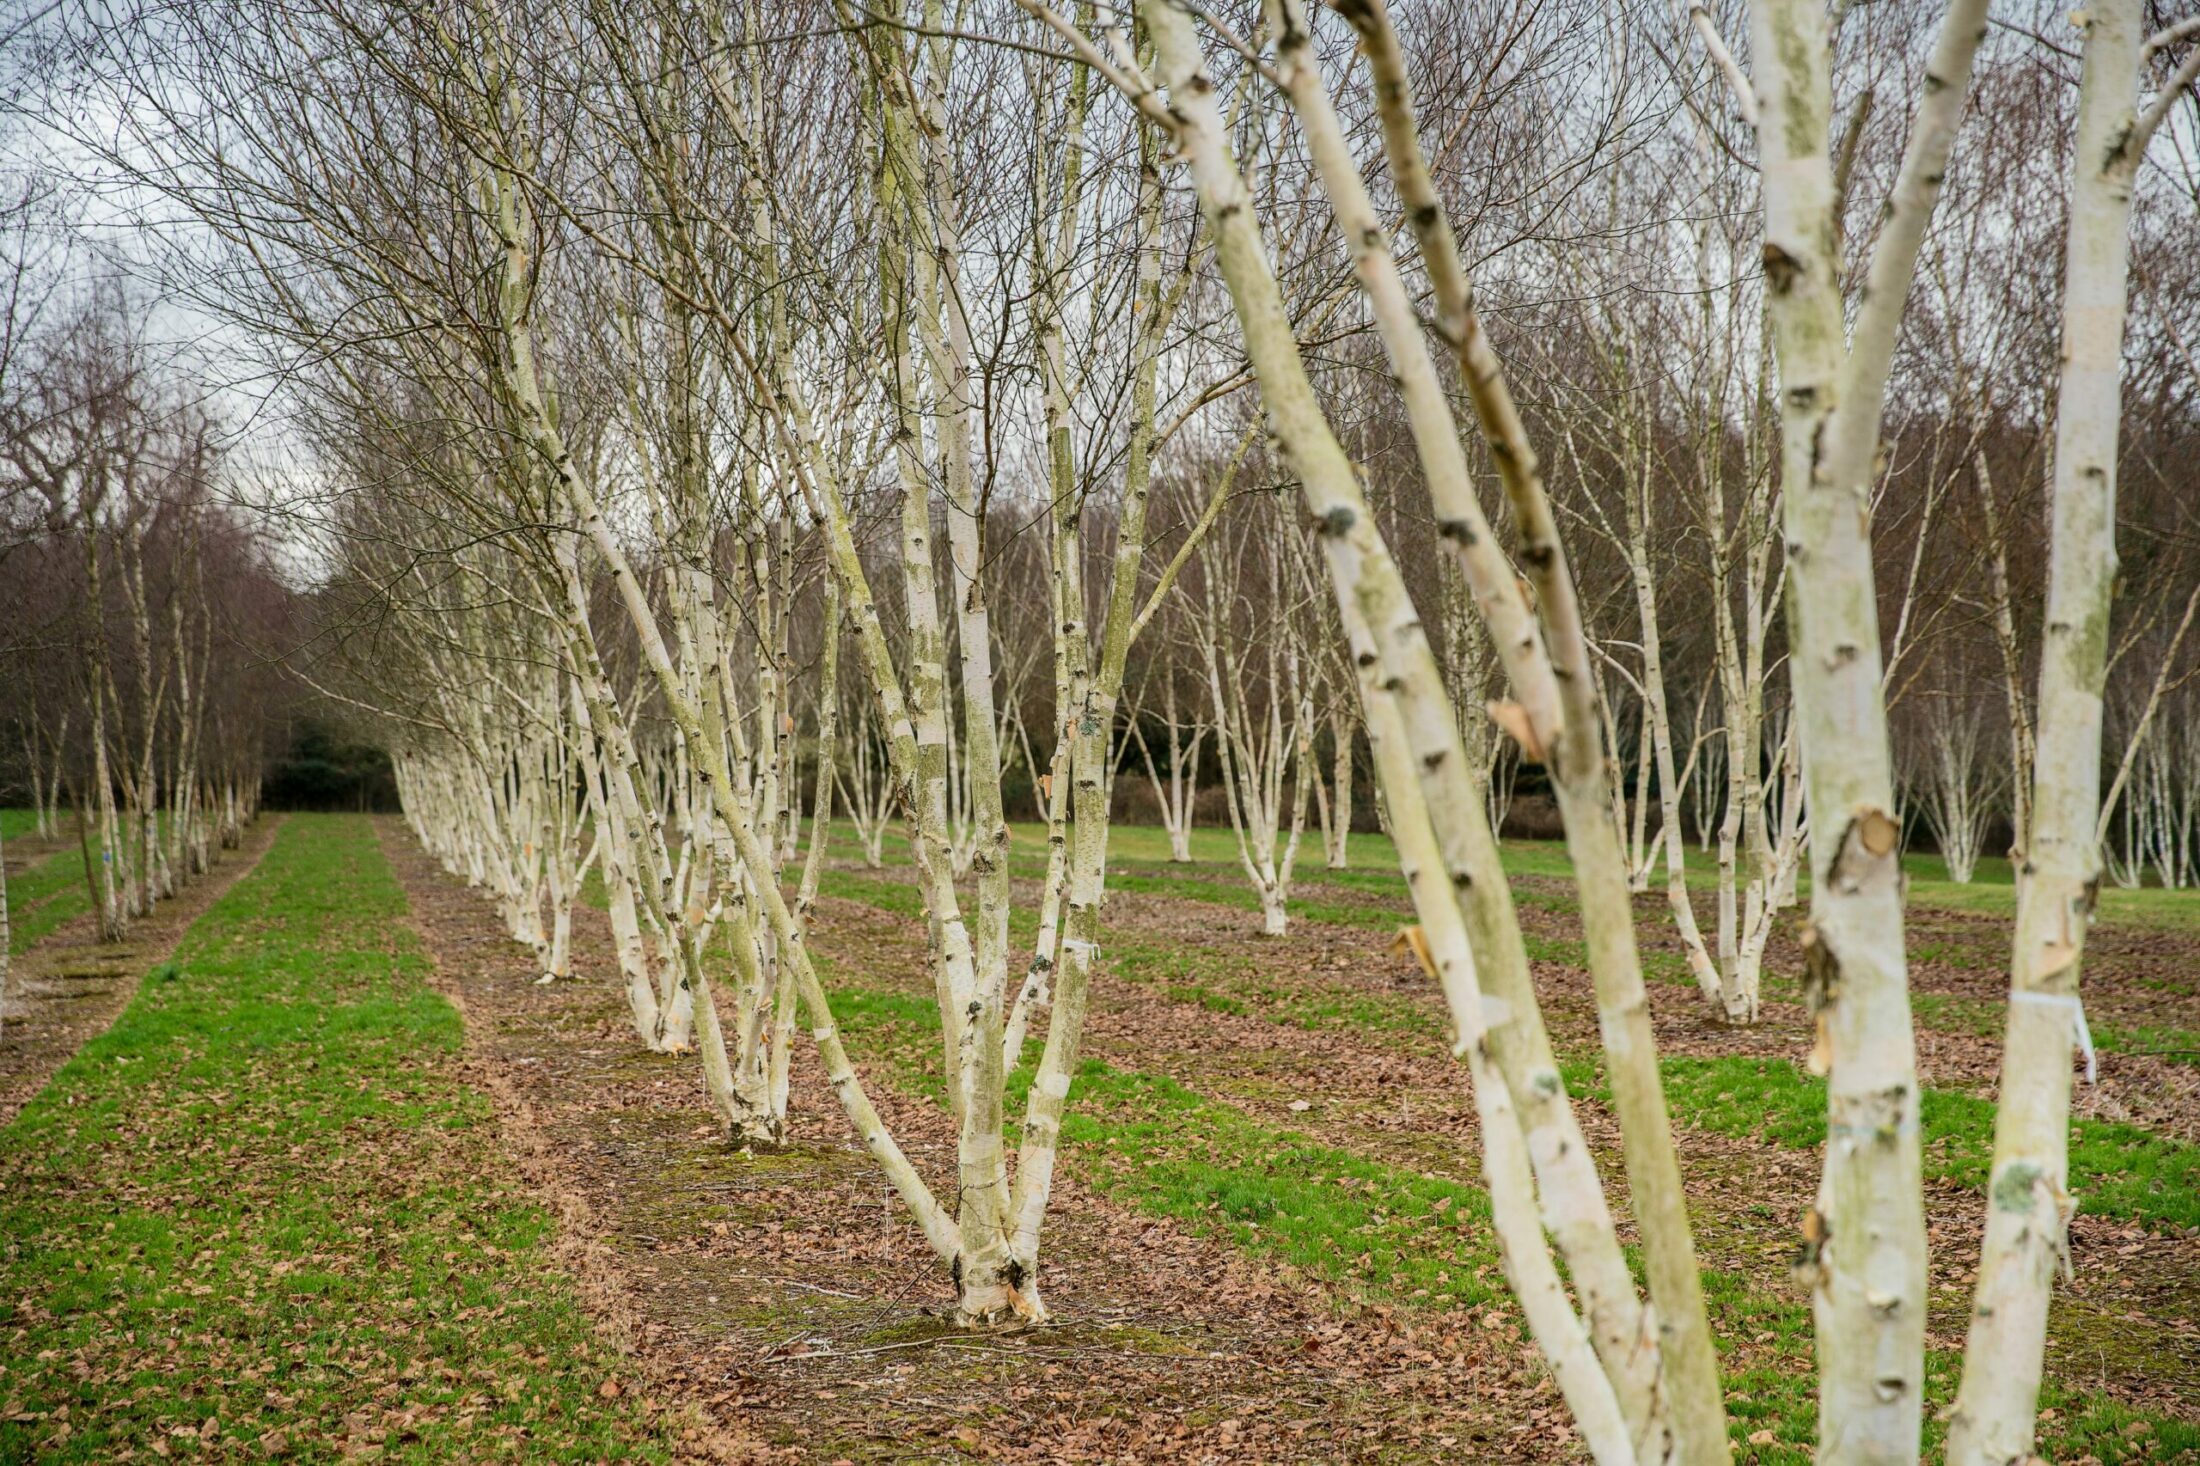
(262, 1215)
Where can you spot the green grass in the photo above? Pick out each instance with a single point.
(2172, 1045)
(53, 891)
(2116, 1170)
(1150, 1142)
(1374, 870)
(1138, 863)
(43, 898)
(1215, 978)
(264, 1204)
(1953, 1013)
(2119, 1171)
(1153, 1143)
(1392, 1234)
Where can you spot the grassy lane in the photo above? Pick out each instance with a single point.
(52, 892)
(45, 896)
(263, 1214)
(2116, 1170)
(1372, 894)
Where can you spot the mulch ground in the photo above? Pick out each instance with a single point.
(791, 1302)
(2137, 976)
(69, 987)
(1394, 1099)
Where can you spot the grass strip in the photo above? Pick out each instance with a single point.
(264, 1213)
(44, 897)
(2116, 1170)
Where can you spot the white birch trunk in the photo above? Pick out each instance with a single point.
(1369, 591)
(2028, 1202)
(1865, 1250)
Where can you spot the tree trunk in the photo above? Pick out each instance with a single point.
(2027, 1190)
(1864, 1252)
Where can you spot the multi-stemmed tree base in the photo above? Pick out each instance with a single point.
(997, 1294)
(757, 1133)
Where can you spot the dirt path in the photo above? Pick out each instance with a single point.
(788, 1299)
(68, 988)
(25, 851)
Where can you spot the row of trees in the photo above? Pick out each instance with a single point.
(134, 701)
(711, 420)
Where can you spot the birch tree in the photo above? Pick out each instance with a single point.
(1176, 795)
(1251, 604)
(2027, 1187)
(1600, 1364)
(1865, 1243)
(107, 484)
